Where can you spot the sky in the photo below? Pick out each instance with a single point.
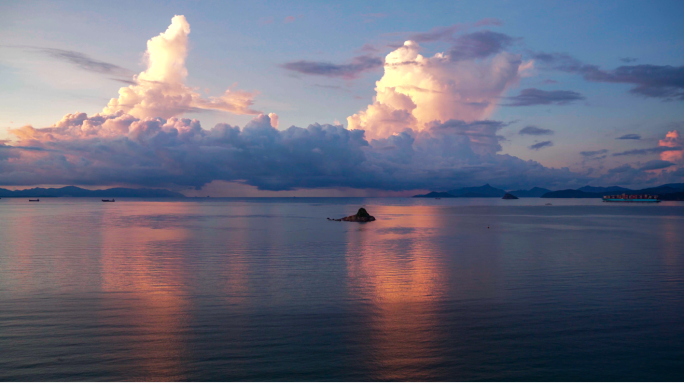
(341, 98)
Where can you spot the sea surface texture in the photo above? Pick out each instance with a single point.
(268, 289)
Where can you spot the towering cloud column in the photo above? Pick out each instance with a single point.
(416, 91)
(161, 91)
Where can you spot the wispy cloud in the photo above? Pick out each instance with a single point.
(534, 130)
(656, 165)
(84, 62)
(540, 145)
(479, 45)
(647, 151)
(663, 82)
(630, 137)
(447, 33)
(351, 70)
(589, 154)
(534, 97)
(628, 59)
(368, 48)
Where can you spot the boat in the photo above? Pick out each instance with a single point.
(108, 200)
(641, 198)
(34, 200)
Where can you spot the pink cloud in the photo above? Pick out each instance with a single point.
(160, 90)
(416, 91)
(672, 139)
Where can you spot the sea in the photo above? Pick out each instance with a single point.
(469, 289)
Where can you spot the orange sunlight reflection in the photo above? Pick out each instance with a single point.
(141, 263)
(401, 278)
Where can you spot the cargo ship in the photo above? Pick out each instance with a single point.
(631, 198)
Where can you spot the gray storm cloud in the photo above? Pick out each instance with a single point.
(122, 149)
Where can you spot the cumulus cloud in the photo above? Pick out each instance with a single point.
(160, 90)
(675, 143)
(535, 97)
(273, 119)
(122, 149)
(540, 145)
(428, 127)
(664, 82)
(416, 90)
(630, 137)
(351, 70)
(534, 130)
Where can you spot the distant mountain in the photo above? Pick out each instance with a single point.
(435, 195)
(73, 191)
(662, 191)
(572, 194)
(592, 189)
(535, 192)
(485, 191)
(677, 186)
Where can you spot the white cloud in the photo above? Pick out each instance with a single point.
(161, 91)
(415, 90)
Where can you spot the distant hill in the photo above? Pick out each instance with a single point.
(535, 192)
(671, 190)
(485, 191)
(77, 192)
(662, 191)
(435, 195)
(592, 189)
(676, 186)
(573, 194)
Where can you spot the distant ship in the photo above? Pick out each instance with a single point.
(108, 200)
(34, 200)
(631, 198)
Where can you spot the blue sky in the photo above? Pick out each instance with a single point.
(246, 45)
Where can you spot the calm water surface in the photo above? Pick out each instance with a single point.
(267, 289)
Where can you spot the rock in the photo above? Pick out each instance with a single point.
(509, 196)
(361, 216)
